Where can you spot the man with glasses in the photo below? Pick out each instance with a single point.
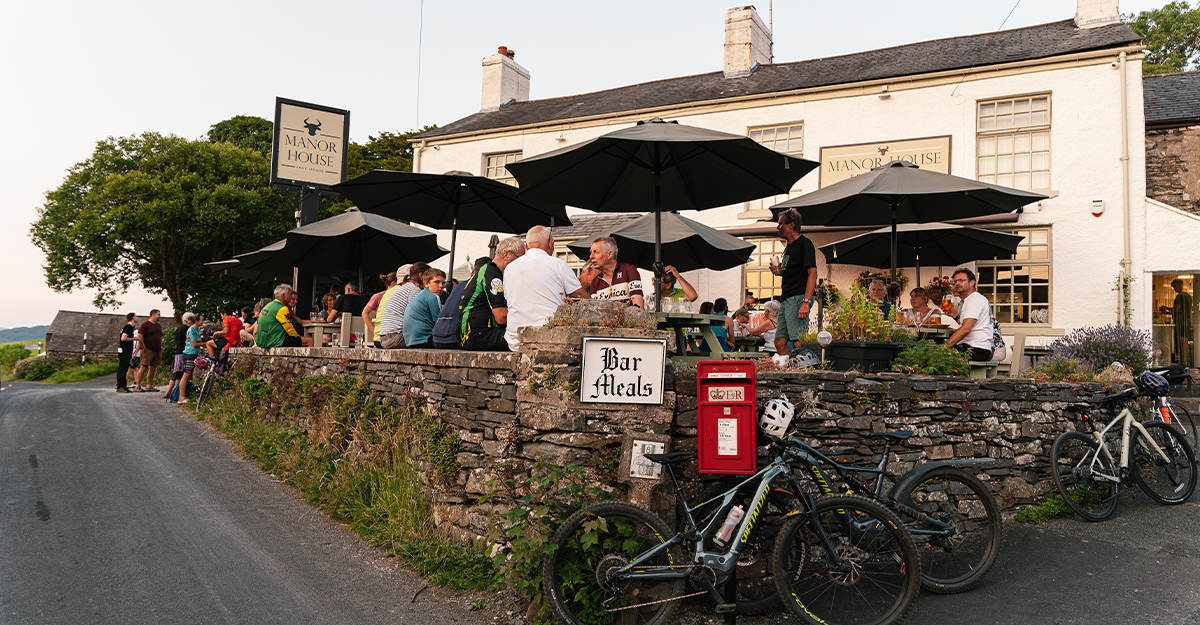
(798, 268)
(974, 336)
(485, 309)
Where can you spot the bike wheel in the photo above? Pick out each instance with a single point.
(1170, 480)
(957, 561)
(594, 543)
(1182, 421)
(883, 576)
(1074, 459)
(205, 388)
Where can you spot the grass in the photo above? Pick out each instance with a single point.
(10, 353)
(354, 464)
(74, 373)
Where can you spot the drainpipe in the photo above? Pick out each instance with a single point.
(1126, 262)
(417, 157)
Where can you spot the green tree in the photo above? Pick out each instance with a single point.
(244, 131)
(151, 209)
(1172, 36)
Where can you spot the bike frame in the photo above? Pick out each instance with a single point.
(1126, 418)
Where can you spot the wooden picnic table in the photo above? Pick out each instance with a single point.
(681, 322)
(316, 328)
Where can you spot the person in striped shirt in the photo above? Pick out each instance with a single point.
(391, 319)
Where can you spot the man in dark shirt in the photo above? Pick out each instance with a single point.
(605, 278)
(799, 271)
(351, 303)
(125, 352)
(485, 311)
(150, 335)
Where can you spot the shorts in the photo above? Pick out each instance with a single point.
(393, 341)
(791, 325)
(221, 342)
(151, 358)
(292, 341)
(189, 363)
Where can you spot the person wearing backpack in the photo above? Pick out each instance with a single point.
(446, 328)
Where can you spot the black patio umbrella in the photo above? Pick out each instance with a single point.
(239, 266)
(656, 167)
(901, 192)
(451, 201)
(688, 244)
(347, 243)
(917, 244)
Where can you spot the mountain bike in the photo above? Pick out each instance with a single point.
(837, 558)
(1091, 466)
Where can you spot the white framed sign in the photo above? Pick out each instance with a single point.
(623, 371)
(309, 145)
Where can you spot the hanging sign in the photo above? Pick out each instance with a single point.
(309, 147)
(623, 371)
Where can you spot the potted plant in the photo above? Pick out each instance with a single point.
(862, 338)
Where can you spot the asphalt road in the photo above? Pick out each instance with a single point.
(122, 509)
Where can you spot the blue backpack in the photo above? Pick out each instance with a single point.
(445, 329)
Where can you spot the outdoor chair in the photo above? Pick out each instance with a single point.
(351, 324)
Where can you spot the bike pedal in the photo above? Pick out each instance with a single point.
(726, 608)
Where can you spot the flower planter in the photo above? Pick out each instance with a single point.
(865, 356)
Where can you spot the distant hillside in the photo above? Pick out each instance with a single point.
(23, 334)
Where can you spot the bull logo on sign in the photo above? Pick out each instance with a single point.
(312, 128)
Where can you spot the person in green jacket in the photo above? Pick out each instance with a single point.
(275, 327)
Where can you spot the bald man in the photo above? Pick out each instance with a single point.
(536, 284)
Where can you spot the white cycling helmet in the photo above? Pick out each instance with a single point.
(776, 416)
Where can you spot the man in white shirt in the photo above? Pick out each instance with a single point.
(536, 284)
(975, 314)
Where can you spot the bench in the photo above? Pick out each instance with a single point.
(981, 370)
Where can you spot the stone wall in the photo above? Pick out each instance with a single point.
(513, 410)
(1173, 167)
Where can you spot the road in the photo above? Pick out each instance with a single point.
(122, 509)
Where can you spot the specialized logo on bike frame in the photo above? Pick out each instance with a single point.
(726, 393)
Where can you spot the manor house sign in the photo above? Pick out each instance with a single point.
(841, 162)
(309, 144)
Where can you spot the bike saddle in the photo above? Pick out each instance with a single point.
(671, 458)
(895, 436)
(1079, 408)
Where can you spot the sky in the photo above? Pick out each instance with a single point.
(76, 73)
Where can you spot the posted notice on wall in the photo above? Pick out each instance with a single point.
(309, 144)
(623, 371)
(640, 465)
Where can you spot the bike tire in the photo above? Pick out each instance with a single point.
(205, 388)
(1182, 421)
(956, 563)
(881, 586)
(599, 538)
(1071, 458)
(1170, 480)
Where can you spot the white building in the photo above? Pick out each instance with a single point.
(1055, 108)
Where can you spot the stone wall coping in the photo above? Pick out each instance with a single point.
(426, 357)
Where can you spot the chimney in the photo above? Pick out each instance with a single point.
(1093, 13)
(747, 42)
(504, 80)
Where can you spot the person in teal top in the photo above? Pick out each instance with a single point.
(191, 347)
(423, 311)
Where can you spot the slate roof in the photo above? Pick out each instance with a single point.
(1171, 98)
(1022, 44)
(585, 226)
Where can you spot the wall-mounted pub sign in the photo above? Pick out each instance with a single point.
(840, 162)
(623, 371)
(309, 147)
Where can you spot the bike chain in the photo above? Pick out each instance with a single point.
(604, 604)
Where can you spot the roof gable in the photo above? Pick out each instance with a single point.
(1034, 42)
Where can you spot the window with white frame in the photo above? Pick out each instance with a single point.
(1013, 142)
(787, 139)
(1019, 287)
(496, 167)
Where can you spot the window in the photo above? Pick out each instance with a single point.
(786, 139)
(1014, 143)
(759, 279)
(574, 262)
(1019, 287)
(496, 167)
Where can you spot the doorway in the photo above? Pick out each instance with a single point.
(1175, 319)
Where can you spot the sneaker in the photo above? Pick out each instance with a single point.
(124, 389)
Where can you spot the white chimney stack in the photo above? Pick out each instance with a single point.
(504, 80)
(1093, 13)
(747, 42)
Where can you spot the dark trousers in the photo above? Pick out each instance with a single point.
(123, 367)
(487, 340)
(978, 354)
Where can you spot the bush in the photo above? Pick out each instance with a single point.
(34, 369)
(859, 319)
(1097, 348)
(1060, 369)
(929, 358)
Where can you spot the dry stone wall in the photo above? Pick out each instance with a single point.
(512, 411)
(1173, 167)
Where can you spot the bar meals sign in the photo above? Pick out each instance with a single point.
(623, 371)
(841, 162)
(309, 145)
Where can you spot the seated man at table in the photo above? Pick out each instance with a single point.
(349, 303)
(536, 284)
(605, 278)
(669, 292)
(974, 336)
(877, 292)
(275, 327)
(485, 307)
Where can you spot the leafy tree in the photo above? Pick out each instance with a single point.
(151, 209)
(1172, 36)
(244, 131)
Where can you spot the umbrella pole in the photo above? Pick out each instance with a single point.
(894, 237)
(658, 266)
(453, 240)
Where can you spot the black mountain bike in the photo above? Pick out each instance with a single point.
(837, 558)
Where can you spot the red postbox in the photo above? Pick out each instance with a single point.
(725, 391)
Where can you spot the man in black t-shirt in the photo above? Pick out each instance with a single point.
(798, 269)
(484, 309)
(125, 352)
(351, 304)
